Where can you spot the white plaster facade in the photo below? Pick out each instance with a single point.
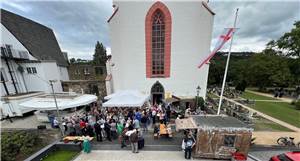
(191, 34)
(26, 82)
(46, 70)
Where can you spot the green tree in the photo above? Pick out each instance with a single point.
(72, 60)
(289, 43)
(268, 70)
(199, 102)
(99, 57)
(294, 66)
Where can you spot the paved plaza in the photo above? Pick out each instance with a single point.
(26, 122)
(108, 155)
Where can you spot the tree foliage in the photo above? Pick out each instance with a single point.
(100, 56)
(289, 43)
(278, 65)
(199, 102)
(257, 70)
(16, 143)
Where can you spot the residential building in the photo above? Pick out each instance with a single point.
(86, 71)
(86, 78)
(30, 57)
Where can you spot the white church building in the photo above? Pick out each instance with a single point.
(156, 47)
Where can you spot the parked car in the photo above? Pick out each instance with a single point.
(288, 156)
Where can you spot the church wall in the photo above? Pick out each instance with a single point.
(191, 38)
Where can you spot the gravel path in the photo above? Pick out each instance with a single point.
(285, 99)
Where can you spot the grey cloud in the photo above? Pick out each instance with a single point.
(79, 24)
(260, 20)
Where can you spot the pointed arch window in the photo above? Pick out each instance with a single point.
(158, 41)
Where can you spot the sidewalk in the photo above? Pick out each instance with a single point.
(270, 138)
(285, 99)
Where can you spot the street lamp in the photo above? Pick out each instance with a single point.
(198, 91)
(57, 110)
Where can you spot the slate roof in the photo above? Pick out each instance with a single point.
(219, 122)
(38, 39)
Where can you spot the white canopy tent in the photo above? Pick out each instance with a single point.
(126, 99)
(47, 103)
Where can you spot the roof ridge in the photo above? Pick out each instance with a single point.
(38, 39)
(24, 18)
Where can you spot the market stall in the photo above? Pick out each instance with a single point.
(45, 103)
(126, 99)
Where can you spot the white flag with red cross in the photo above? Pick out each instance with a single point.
(227, 34)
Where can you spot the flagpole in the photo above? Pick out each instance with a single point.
(227, 63)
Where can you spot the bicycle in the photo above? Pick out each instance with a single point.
(287, 141)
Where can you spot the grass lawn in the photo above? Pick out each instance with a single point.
(61, 155)
(252, 96)
(266, 125)
(280, 110)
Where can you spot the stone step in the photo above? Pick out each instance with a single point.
(147, 147)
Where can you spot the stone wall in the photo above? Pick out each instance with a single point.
(86, 72)
(96, 87)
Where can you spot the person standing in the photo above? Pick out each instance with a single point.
(153, 114)
(136, 123)
(134, 138)
(189, 143)
(86, 145)
(55, 123)
(98, 131)
(120, 128)
(113, 129)
(138, 115)
(168, 112)
(107, 130)
(144, 122)
(90, 131)
(123, 138)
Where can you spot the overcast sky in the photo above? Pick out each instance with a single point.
(79, 24)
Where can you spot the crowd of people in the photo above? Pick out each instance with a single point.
(115, 123)
(125, 124)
